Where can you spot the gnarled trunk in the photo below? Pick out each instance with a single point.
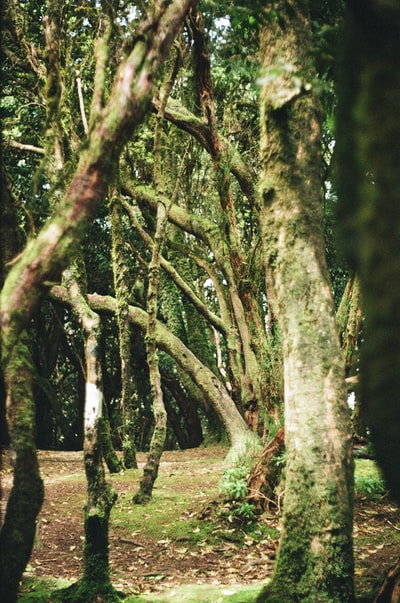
(95, 582)
(315, 560)
(26, 497)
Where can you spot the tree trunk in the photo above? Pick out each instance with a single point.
(26, 496)
(114, 465)
(349, 316)
(95, 583)
(315, 558)
(122, 293)
(150, 471)
(244, 443)
(369, 189)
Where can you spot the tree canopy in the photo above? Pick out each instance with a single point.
(170, 271)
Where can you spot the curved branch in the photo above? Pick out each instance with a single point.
(185, 120)
(49, 253)
(200, 306)
(213, 390)
(24, 147)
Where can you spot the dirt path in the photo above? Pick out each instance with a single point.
(145, 557)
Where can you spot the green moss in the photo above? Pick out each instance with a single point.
(86, 591)
(39, 590)
(26, 497)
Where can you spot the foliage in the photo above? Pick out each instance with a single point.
(30, 111)
(233, 486)
(368, 482)
(213, 293)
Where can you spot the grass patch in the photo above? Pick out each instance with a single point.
(171, 514)
(204, 593)
(368, 481)
(38, 590)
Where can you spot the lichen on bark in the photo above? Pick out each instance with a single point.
(315, 558)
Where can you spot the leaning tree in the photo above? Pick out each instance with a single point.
(112, 122)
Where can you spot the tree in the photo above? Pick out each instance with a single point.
(45, 256)
(234, 277)
(315, 559)
(369, 186)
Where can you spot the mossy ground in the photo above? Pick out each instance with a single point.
(178, 547)
(193, 593)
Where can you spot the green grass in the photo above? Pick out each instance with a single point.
(39, 590)
(205, 593)
(170, 514)
(368, 481)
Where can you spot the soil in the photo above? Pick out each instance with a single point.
(142, 562)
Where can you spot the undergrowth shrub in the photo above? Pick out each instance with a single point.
(368, 481)
(233, 487)
(369, 487)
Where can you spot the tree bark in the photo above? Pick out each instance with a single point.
(122, 292)
(243, 441)
(368, 147)
(349, 316)
(26, 497)
(369, 188)
(157, 443)
(315, 558)
(114, 465)
(95, 582)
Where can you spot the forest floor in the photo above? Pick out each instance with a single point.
(175, 540)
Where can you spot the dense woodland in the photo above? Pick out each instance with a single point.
(195, 197)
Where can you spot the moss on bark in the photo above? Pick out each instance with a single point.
(368, 154)
(95, 584)
(18, 530)
(315, 561)
(123, 286)
(111, 459)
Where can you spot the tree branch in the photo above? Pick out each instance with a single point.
(212, 388)
(24, 147)
(201, 307)
(185, 120)
(45, 257)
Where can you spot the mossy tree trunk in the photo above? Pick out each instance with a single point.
(369, 187)
(315, 558)
(26, 497)
(114, 464)
(349, 317)
(95, 583)
(150, 471)
(368, 137)
(122, 293)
